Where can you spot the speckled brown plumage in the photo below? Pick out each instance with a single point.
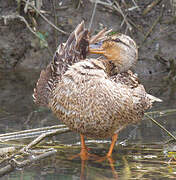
(94, 97)
(89, 102)
(74, 50)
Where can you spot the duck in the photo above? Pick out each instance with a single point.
(95, 97)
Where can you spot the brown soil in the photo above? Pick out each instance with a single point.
(19, 48)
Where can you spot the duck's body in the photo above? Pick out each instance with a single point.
(95, 97)
(91, 103)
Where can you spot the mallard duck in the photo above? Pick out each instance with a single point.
(96, 97)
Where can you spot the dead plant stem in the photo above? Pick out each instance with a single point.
(153, 25)
(162, 127)
(49, 22)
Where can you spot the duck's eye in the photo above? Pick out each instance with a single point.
(117, 40)
(99, 43)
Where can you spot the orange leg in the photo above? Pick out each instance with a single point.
(108, 155)
(85, 155)
(111, 163)
(83, 168)
(114, 139)
(109, 158)
(84, 152)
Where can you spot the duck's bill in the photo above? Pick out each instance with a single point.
(96, 48)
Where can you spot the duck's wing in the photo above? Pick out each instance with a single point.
(128, 78)
(131, 81)
(68, 53)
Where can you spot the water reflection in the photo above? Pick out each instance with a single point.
(85, 175)
(18, 112)
(127, 163)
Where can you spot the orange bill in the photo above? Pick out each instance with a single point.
(96, 48)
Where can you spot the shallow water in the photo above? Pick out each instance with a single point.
(140, 151)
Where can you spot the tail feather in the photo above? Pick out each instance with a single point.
(154, 99)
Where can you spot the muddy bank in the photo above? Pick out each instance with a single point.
(19, 48)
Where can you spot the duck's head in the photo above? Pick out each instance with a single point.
(120, 49)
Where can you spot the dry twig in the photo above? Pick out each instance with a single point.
(154, 24)
(158, 124)
(13, 164)
(151, 6)
(154, 162)
(49, 22)
(93, 14)
(29, 133)
(43, 136)
(118, 8)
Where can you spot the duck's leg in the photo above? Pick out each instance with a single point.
(84, 152)
(85, 155)
(114, 139)
(108, 155)
(111, 163)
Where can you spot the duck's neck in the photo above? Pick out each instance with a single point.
(110, 67)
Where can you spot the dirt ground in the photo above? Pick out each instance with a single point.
(153, 29)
